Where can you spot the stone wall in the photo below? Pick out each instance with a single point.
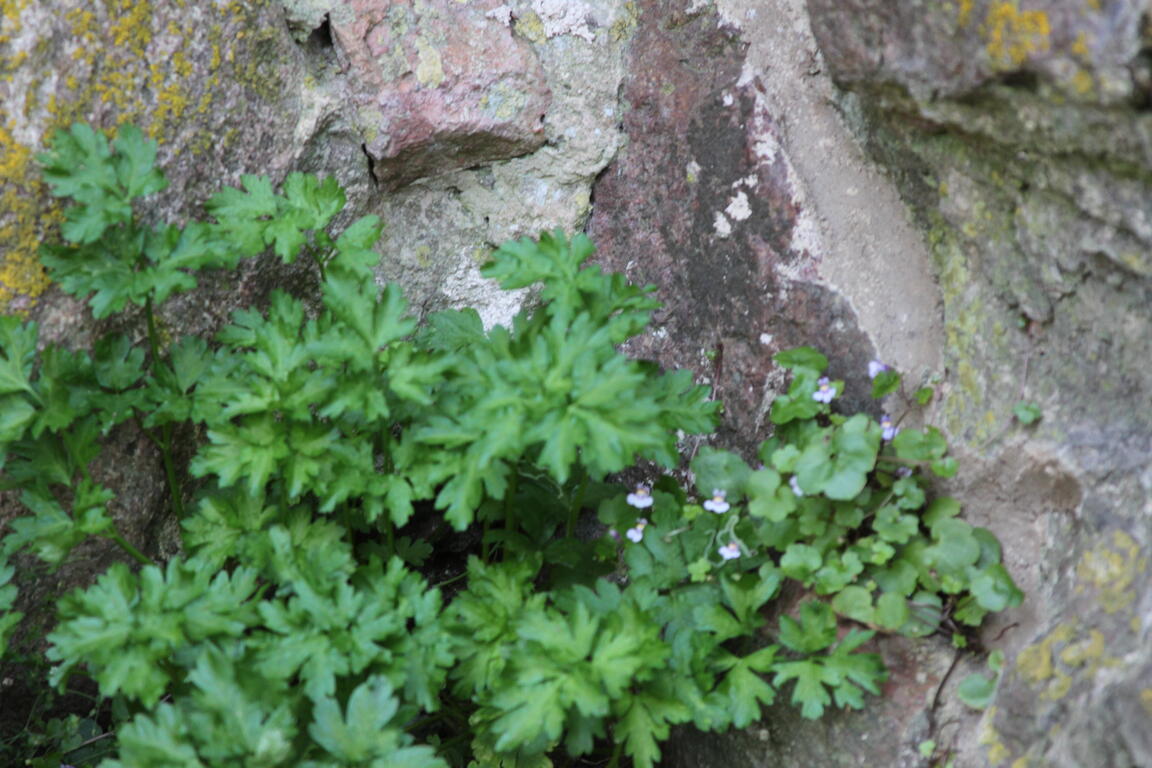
(460, 124)
(1019, 135)
(957, 187)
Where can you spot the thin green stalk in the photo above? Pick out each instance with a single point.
(88, 742)
(452, 580)
(617, 751)
(166, 430)
(125, 545)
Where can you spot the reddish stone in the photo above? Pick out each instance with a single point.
(733, 294)
(439, 85)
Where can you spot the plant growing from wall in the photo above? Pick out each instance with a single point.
(299, 626)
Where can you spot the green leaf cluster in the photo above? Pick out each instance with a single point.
(345, 455)
(9, 617)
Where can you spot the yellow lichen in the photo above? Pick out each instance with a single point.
(1035, 662)
(964, 12)
(1082, 81)
(1057, 688)
(1057, 661)
(10, 19)
(1023, 762)
(530, 27)
(1080, 45)
(624, 26)
(1088, 651)
(120, 72)
(1146, 700)
(130, 24)
(1014, 35)
(990, 739)
(22, 279)
(1111, 571)
(503, 101)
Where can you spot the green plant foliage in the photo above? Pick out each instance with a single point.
(885, 383)
(976, 691)
(9, 617)
(342, 443)
(1027, 413)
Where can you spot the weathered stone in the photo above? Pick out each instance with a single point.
(438, 231)
(216, 101)
(703, 204)
(1018, 133)
(439, 86)
(250, 94)
(1019, 137)
(946, 48)
(219, 103)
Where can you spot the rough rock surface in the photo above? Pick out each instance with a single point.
(702, 204)
(438, 86)
(261, 88)
(959, 187)
(1000, 249)
(743, 197)
(1019, 133)
(439, 230)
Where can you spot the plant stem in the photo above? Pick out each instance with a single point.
(451, 580)
(125, 545)
(89, 742)
(166, 429)
(616, 752)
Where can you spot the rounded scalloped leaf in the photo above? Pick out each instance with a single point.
(892, 611)
(854, 603)
(802, 357)
(994, 589)
(720, 470)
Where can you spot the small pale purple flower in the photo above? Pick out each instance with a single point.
(614, 534)
(636, 533)
(794, 484)
(641, 498)
(730, 551)
(889, 428)
(824, 391)
(716, 503)
(903, 471)
(875, 368)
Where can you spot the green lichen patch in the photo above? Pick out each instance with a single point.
(1067, 654)
(121, 60)
(530, 27)
(1113, 572)
(991, 740)
(625, 26)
